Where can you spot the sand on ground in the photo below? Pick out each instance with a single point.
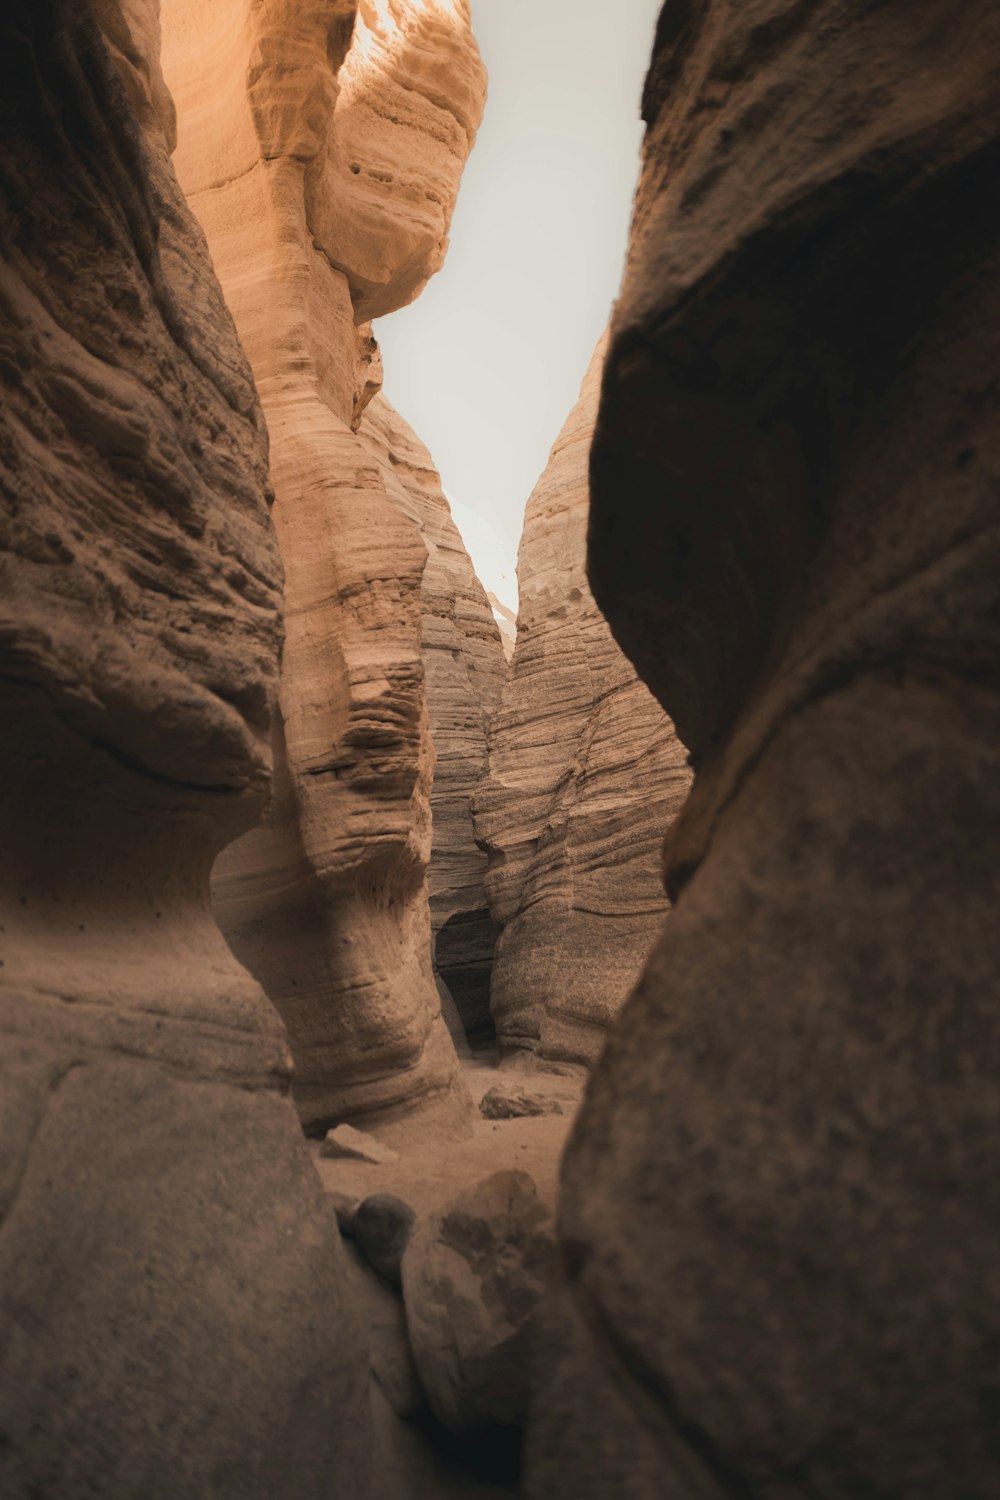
(431, 1172)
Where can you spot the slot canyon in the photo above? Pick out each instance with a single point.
(464, 1044)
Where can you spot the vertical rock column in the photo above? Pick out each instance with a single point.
(173, 1318)
(585, 772)
(464, 669)
(780, 1208)
(321, 147)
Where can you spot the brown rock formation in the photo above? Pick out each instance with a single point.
(173, 1319)
(321, 147)
(507, 624)
(780, 1210)
(585, 773)
(464, 670)
(474, 1275)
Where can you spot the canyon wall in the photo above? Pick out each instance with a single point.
(173, 1314)
(779, 1209)
(464, 668)
(321, 147)
(585, 774)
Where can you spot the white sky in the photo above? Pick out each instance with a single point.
(487, 363)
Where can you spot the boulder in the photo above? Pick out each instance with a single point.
(473, 1277)
(382, 1227)
(508, 1102)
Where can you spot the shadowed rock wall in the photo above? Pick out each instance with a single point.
(780, 1203)
(585, 773)
(173, 1318)
(464, 670)
(321, 147)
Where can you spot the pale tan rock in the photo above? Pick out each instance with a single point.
(356, 1145)
(321, 146)
(382, 1228)
(507, 1101)
(464, 669)
(780, 1216)
(507, 624)
(154, 1186)
(585, 773)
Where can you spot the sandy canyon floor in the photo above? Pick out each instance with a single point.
(430, 1172)
(416, 1459)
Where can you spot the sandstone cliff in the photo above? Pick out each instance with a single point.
(464, 668)
(585, 773)
(780, 1213)
(321, 147)
(151, 1167)
(506, 623)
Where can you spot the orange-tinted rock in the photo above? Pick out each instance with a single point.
(585, 773)
(321, 147)
(464, 669)
(780, 1210)
(151, 1165)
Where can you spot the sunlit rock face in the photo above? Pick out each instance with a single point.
(780, 1216)
(585, 773)
(464, 668)
(153, 1180)
(321, 147)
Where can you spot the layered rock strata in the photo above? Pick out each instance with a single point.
(506, 623)
(321, 147)
(585, 773)
(780, 1212)
(153, 1181)
(464, 668)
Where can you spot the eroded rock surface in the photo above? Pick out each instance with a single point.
(321, 147)
(780, 1213)
(473, 1277)
(464, 669)
(507, 1101)
(585, 774)
(153, 1181)
(382, 1227)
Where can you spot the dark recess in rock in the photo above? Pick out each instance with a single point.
(463, 953)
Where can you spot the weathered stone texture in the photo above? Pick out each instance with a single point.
(473, 1277)
(780, 1204)
(153, 1182)
(464, 669)
(585, 773)
(321, 147)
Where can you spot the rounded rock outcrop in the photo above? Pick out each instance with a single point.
(780, 1214)
(474, 1274)
(174, 1318)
